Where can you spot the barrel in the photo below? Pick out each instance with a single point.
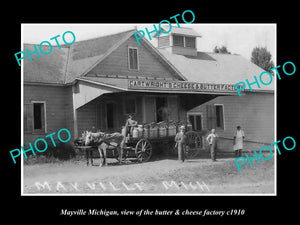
(162, 131)
(153, 132)
(146, 132)
(140, 131)
(135, 133)
(171, 130)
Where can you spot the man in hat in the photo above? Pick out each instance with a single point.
(180, 140)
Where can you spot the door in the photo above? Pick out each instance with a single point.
(149, 109)
(161, 109)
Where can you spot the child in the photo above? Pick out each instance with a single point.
(180, 140)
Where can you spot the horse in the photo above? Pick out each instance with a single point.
(105, 141)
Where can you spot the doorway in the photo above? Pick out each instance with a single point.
(110, 115)
(161, 109)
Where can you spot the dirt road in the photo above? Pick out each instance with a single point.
(162, 176)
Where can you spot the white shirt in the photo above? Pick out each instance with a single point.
(210, 138)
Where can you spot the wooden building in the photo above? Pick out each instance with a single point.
(97, 82)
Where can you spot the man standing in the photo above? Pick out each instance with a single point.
(212, 140)
(180, 140)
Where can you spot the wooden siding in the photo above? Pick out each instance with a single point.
(86, 117)
(254, 112)
(58, 108)
(117, 63)
(69, 117)
(163, 41)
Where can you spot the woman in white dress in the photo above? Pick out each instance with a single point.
(238, 140)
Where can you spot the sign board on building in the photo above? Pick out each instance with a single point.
(164, 85)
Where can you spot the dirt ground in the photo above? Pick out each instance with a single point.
(159, 176)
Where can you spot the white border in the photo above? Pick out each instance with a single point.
(275, 112)
(156, 194)
(22, 117)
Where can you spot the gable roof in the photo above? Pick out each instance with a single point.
(63, 66)
(217, 68)
(84, 55)
(46, 68)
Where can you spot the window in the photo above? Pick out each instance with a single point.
(190, 42)
(219, 109)
(133, 58)
(130, 106)
(37, 115)
(196, 120)
(34, 115)
(178, 40)
(183, 41)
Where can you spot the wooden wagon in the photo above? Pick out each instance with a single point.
(141, 146)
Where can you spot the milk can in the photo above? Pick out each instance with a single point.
(162, 131)
(140, 131)
(171, 130)
(146, 132)
(135, 133)
(153, 132)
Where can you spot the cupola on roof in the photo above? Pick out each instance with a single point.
(180, 41)
(182, 31)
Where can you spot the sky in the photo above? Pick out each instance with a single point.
(238, 38)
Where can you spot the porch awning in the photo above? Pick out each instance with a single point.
(160, 86)
(85, 91)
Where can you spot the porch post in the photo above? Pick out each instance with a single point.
(75, 126)
(144, 108)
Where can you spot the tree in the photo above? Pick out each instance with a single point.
(222, 50)
(262, 58)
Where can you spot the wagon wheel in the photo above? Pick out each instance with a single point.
(193, 143)
(143, 150)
